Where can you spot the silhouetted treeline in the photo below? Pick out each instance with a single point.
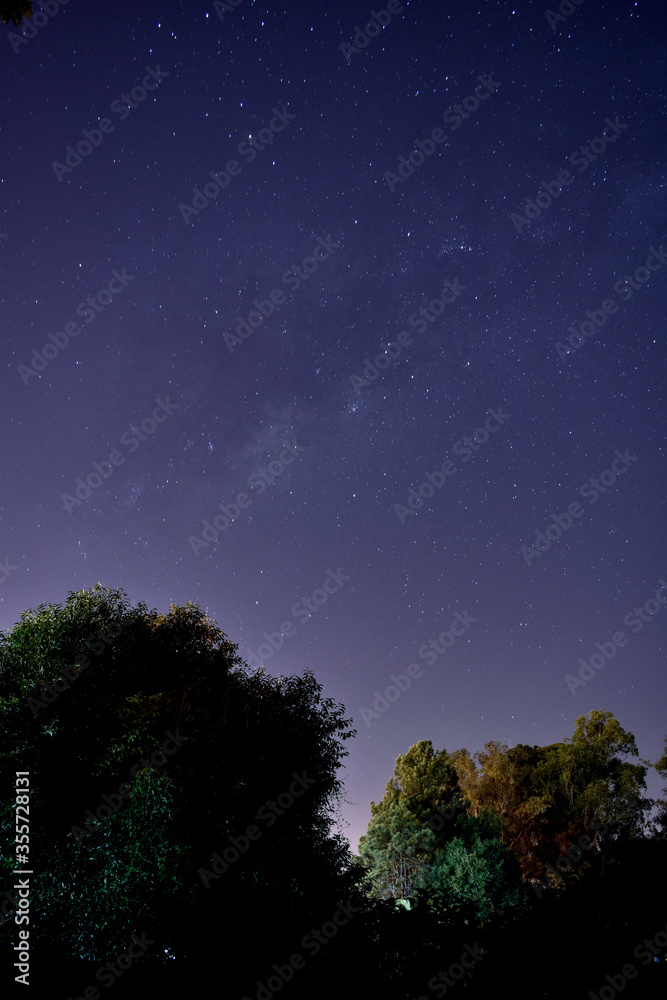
(181, 806)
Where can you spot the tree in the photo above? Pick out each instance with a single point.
(394, 848)
(597, 782)
(548, 796)
(480, 879)
(660, 822)
(120, 876)
(400, 840)
(89, 692)
(15, 10)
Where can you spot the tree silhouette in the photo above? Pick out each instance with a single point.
(255, 751)
(661, 818)
(15, 10)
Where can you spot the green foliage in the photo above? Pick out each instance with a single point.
(521, 809)
(545, 796)
(599, 784)
(399, 841)
(395, 848)
(660, 821)
(423, 777)
(97, 892)
(482, 879)
(48, 638)
(447, 855)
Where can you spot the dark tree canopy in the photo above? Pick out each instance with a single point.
(15, 10)
(220, 849)
(661, 817)
(245, 736)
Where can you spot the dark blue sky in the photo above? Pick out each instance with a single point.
(454, 199)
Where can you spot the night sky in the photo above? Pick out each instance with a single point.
(208, 422)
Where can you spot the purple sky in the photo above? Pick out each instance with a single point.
(212, 344)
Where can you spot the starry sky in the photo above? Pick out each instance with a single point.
(216, 218)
